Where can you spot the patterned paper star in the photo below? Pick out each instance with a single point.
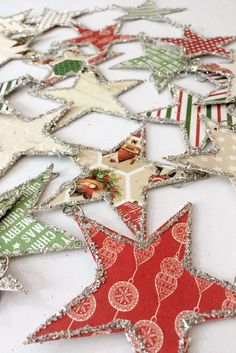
(122, 177)
(101, 39)
(164, 63)
(16, 24)
(222, 159)
(91, 92)
(196, 45)
(148, 10)
(149, 291)
(187, 114)
(20, 233)
(20, 137)
(8, 87)
(51, 18)
(226, 94)
(68, 63)
(9, 50)
(8, 282)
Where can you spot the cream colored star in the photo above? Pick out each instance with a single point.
(91, 93)
(10, 50)
(221, 160)
(15, 24)
(20, 137)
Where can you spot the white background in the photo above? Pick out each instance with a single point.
(53, 280)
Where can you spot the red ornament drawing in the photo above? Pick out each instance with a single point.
(84, 310)
(179, 321)
(123, 296)
(179, 232)
(165, 285)
(172, 266)
(108, 258)
(203, 284)
(150, 334)
(143, 255)
(113, 245)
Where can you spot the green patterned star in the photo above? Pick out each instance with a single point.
(148, 10)
(20, 233)
(164, 63)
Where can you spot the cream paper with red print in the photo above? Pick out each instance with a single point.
(122, 178)
(145, 291)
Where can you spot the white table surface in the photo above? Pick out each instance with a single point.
(54, 279)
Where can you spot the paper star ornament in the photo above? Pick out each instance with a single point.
(101, 39)
(68, 63)
(8, 282)
(8, 87)
(196, 45)
(121, 177)
(91, 92)
(148, 10)
(150, 291)
(226, 94)
(186, 112)
(9, 50)
(51, 18)
(164, 63)
(16, 24)
(20, 233)
(221, 160)
(21, 137)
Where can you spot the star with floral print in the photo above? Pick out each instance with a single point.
(196, 45)
(221, 160)
(150, 291)
(186, 112)
(16, 24)
(148, 10)
(121, 177)
(226, 94)
(101, 39)
(8, 87)
(9, 50)
(165, 63)
(103, 98)
(51, 18)
(21, 137)
(8, 282)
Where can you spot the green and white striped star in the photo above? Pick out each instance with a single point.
(164, 63)
(148, 10)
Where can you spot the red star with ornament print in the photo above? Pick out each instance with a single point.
(101, 39)
(196, 45)
(148, 290)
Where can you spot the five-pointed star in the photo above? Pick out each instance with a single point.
(20, 137)
(101, 39)
(9, 50)
(8, 87)
(20, 233)
(52, 18)
(195, 45)
(8, 282)
(16, 24)
(91, 92)
(221, 160)
(227, 94)
(187, 113)
(164, 63)
(146, 11)
(122, 177)
(149, 291)
(69, 62)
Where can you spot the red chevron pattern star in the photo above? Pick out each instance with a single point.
(145, 291)
(195, 45)
(100, 39)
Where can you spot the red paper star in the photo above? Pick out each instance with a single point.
(196, 45)
(100, 39)
(150, 291)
